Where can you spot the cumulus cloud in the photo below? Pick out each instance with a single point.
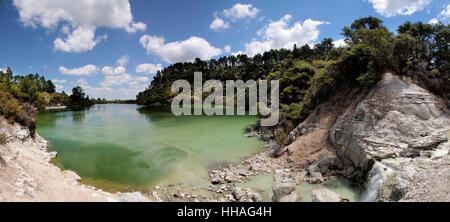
(116, 80)
(81, 18)
(219, 24)
(123, 61)
(137, 82)
(184, 51)
(60, 81)
(86, 70)
(240, 11)
(443, 17)
(227, 49)
(118, 76)
(279, 34)
(80, 40)
(148, 68)
(82, 82)
(339, 43)
(59, 87)
(389, 8)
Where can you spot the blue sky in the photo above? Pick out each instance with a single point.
(81, 42)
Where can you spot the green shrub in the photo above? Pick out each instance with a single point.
(3, 139)
(11, 108)
(368, 79)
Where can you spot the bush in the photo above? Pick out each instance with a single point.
(11, 108)
(3, 139)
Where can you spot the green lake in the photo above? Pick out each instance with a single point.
(115, 146)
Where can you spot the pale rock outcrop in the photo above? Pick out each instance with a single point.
(397, 127)
(397, 119)
(425, 178)
(326, 195)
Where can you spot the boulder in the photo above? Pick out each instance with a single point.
(325, 195)
(285, 192)
(238, 193)
(316, 177)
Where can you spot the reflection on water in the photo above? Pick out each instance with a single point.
(130, 145)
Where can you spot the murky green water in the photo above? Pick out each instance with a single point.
(124, 145)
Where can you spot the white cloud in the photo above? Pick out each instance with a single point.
(278, 35)
(59, 87)
(138, 82)
(107, 70)
(86, 70)
(81, 18)
(123, 61)
(148, 68)
(240, 11)
(219, 24)
(227, 49)
(59, 83)
(443, 17)
(237, 53)
(116, 80)
(433, 21)
(389, 8)
(119, 76)
(80, 40)
(62, 81)
(82, 82)
(184, 51)
(339, 43)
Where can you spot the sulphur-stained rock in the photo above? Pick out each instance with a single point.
(326, 195)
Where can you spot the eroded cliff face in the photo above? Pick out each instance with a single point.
(394, 134)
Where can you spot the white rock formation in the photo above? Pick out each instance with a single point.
(396, 127)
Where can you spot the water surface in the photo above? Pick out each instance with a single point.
(127, 145)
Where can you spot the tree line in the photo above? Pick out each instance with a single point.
(309, 75)
(22, 96)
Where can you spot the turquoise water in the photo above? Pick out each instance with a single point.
(128, 145)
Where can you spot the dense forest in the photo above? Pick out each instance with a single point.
(22, 96)
(308, 75)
